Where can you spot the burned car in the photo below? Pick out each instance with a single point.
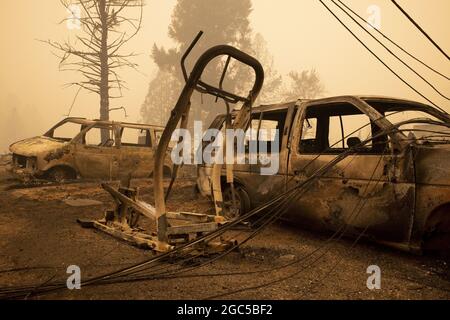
(397, 179)
(90, 149)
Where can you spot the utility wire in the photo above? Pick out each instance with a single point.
(15, 292)
(395, 43)
(286, 200)
(354, 214)
(344, 229)
(389, 50)
(420, 28)
(55, 285)
(361, 205)
(380, 60)
(275, 217)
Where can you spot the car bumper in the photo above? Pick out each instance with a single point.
(25, 169)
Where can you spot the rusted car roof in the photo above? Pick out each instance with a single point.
(366, 98)
(109, 122)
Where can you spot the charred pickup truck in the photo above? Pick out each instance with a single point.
(398, 179)
(76, 147)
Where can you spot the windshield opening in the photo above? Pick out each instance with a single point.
(423, 123)
(65, 132)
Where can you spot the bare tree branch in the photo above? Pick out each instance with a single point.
(95, 55)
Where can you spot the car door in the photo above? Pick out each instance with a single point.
(94, 158)
(268, 174)
(136, 152)
(372, 190)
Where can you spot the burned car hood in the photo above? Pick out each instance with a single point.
(432, 164)
(34, 146)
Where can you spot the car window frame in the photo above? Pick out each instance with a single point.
(375, 117)
(149, 136)
(51, 132)
(80, 138)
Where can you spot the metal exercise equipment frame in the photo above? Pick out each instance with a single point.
(123, 221)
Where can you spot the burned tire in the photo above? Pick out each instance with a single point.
(61, 174)
(242, 202)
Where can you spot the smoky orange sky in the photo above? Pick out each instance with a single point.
(300, 34)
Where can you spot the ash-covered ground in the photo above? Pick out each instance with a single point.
(40, 238)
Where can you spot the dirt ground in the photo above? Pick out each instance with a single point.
(40, 238)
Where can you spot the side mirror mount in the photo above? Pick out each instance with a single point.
(353, 142)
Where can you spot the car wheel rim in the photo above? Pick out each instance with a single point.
(232, 211)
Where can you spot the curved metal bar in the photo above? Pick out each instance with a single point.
(188, 51)
(182, 107)
(222, 78)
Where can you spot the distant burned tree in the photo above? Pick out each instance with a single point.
(224, 22)
(163, 90)
(304, 85)
(96, 54)
(167, 84)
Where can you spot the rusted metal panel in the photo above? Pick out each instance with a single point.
(191, 228)
(397, 190)
(37, 156)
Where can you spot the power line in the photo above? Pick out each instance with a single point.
(387, 49)
(344, 228)
(14, 292)
(380, 60)
(396, 44)
(420, 28)
(292, 275)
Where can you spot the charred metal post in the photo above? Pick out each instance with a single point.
(182, 108)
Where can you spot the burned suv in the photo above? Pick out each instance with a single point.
(90, 149)
(397, 177)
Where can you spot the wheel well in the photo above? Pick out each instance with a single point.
(237, 183)
(71, 171)
(436, 235)
(241, 191)
(439, 216)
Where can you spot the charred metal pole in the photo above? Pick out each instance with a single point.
(182, 108)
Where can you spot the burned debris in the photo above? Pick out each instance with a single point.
(359, 166)
(74, 148)
(386, 168)
(347, 164)
(120, 222)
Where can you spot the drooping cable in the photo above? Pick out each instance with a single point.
(420, 28)
(381, 60)
(389, 50)
(395, 43)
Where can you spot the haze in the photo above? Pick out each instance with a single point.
(300, 35)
